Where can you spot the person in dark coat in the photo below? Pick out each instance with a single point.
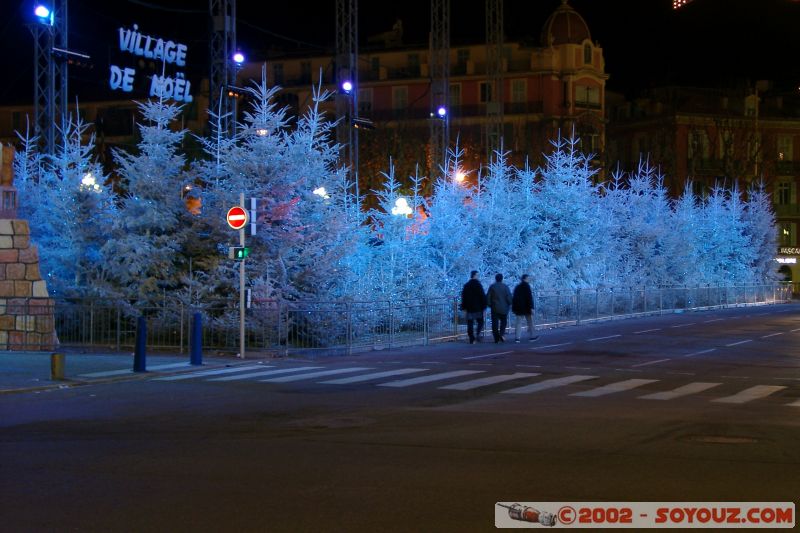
(499, 299)
(473, 301)
(522, 306)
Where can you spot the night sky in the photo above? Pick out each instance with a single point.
(646, 43)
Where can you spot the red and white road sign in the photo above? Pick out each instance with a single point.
(237, 217)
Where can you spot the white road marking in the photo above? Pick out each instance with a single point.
(432, 363)
(736, 377)
(684, 325)
(550, 346)
(700, 352)
(691, 388)
(529, 366)
(427, 379)
(491, 380)
(109, 373)
(487, 355)
(752, 393)
(792, 331)
(612, 388)
(628, 370)
(481, 364)
(646, 331)
(264, 373)
(311, 375)
(651, 362)
(772, 335)
(790, 379)
(578, 367)
(548, 384)
(738, 343)
(215, 372)
(794, 404)
(715, 320)
(604, 338)
(374, 375)
(681, 373)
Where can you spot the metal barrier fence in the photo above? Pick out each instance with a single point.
(279, 328)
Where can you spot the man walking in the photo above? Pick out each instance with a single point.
(522, 306)
(473, 301)
(499, 299)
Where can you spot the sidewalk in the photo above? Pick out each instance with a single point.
(30, 371)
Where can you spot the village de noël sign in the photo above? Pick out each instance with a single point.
(168, 52)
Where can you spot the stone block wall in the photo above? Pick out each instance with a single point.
(26, 310)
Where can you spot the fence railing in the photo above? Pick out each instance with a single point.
(280, 328)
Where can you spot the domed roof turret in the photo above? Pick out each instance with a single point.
(565, 26)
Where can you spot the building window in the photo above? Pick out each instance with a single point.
(399, 97)
(486, 92)
(277, 74)
(365, 102)
(462, 56)
(305, 71)
(519, 91)
(783, 193)
(698, 145)
(455, 94)
(375, 64)
(786, 232)
(413, 63)
(586, 96)
(587, 54)
(785, 148)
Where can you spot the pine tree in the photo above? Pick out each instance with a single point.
(149, 235)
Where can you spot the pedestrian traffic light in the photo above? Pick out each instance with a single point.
(238, 253)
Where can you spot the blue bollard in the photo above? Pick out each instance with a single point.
(196, 353)
(140, 350)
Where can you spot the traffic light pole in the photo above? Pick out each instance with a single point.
(241, 284)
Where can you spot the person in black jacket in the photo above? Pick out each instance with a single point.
(499, 299)
(473, 301)
(522, 306)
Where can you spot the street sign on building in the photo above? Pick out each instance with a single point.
(237, 217)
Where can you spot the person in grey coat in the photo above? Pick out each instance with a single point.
(499, 299)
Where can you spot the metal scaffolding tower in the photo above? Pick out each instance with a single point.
(494, 77)
(440, 83)
(222, 46)
(347, 98)
(50, 76)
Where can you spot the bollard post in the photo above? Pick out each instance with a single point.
(140, 350)
(56, 366)
(196, 351)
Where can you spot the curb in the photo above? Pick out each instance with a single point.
(73, 383)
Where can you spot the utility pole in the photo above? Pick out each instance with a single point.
(347, 86)
(50, 74)
(222, 46)
(440, 83)
(494, 77)
(241, 285)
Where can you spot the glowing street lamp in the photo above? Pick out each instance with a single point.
(460, 176)
(238, 58)
(321, 192)
(347, 86)
(442, 111)
(401, 207)
(44, 14)
(89, 183)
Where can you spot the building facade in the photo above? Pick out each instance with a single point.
(709, 136)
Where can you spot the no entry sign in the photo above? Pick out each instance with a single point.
(237, 217)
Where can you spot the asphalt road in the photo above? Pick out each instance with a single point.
(691, 407)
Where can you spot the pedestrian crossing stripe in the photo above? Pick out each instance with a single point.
(612, 388)
(752, 393)
(691, 388)
(110, 373)
(374, 375)
(298, 377)
(214, 372)
(548, 384)
(491, 380)
(264, 373)
(428, 379)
